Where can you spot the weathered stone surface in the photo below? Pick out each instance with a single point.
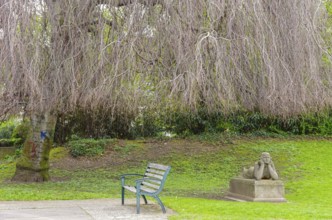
(263, 169)
(256, 190)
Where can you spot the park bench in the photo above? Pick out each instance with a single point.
(151, 184)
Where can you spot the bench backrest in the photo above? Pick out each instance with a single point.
(155, 175)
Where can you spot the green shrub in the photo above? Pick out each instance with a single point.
(87, 147)
(153, 122)
(244, 122)
(10, 142)
(264, 125)
(13, 132)
(6, 129)
(187, 122)
(21, 131)
(148, 123)
(101, 123)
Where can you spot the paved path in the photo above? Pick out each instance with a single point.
(93, 209)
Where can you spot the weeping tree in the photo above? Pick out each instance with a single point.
(122, 55)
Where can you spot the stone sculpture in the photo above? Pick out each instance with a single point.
(263, 169)
(258, 183)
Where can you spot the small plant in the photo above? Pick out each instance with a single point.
(87, 147)
(12, 157)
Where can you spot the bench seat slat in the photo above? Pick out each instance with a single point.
(148, 189)
(145, 183)
(157, 182)
(154, 176)
(158, 166)
(155, 171)
(145, 189)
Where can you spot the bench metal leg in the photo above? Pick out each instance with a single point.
(146, 201)
(122, 195)
(138, 203)
(161, 204)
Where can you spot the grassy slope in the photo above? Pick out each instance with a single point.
(307, 178)
(303, 164)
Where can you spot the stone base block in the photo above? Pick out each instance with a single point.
(256, 190)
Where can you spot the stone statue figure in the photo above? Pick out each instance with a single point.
(263, 169)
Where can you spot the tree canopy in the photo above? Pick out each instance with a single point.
(266, 55)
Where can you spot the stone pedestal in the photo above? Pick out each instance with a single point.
(256, 190)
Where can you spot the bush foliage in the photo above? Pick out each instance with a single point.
(13, 132)
(152, 123)
(10, 142)
(87, 147)
(7, 128)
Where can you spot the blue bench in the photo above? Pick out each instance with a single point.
(151, 184)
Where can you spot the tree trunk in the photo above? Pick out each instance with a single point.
(33, 165)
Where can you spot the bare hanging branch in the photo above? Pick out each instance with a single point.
(261, 55)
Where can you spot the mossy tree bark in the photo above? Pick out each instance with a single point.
(33, 165)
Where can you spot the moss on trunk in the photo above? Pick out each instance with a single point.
(33, 165)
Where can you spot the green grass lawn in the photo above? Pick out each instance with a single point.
(307, 177)
(198, 181)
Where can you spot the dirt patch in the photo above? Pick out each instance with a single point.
(134, 152)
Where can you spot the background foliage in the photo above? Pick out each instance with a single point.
(153, 124)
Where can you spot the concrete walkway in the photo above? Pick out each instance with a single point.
(93, 209)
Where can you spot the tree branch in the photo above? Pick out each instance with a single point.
(120, 3)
